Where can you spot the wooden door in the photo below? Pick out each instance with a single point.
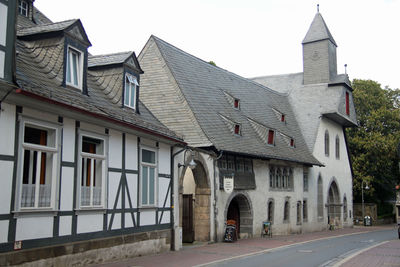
(187, 219)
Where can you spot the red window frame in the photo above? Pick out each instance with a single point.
(237, 129)
(270, 140)
(347, 103)
(236, 103)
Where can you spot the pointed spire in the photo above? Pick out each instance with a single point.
(318, 30)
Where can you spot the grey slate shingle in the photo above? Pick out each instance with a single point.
(204, 86)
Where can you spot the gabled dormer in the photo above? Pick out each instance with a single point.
(61, 47)
(119, 76)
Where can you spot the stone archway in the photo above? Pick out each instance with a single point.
(196, 201)
(334, 205)
(239, 208)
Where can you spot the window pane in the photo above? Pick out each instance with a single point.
(144, 184)
(127, 90)
(151, 186)
(68, 72)
(148, 156)
(133, 93)
(75, 68)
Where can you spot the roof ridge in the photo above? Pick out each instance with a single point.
(111, 54)
(219, 68)
(47, 24)
(276, 75)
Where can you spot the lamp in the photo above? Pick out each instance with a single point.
(191, 164)
(362, 196)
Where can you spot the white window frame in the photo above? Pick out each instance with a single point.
(104, 160)
(23, 11)
(131, 85)
(69, 77)
(53, 150)
(151, 165)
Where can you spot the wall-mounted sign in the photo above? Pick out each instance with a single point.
(228, 184)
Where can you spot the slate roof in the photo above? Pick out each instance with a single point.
(204, 88)
(318, 31)
(40, 71)
(109, 59)
(45, 28)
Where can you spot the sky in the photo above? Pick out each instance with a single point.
(250, 38)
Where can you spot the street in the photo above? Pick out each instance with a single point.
(325, 248)
(325, 252)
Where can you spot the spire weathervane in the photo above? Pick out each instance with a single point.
(318, 8)
(345, 68)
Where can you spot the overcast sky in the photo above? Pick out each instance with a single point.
(250, 38)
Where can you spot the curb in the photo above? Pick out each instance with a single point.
(283, 247)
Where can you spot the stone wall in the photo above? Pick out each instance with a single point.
(93, 251)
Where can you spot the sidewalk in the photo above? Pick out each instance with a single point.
(199, 255)
(385, 254)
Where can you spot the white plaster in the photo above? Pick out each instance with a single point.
(147, 217)
(116, 221)
(3, 231)
(68, 140)
(147, 142)
(128, 219)
(34, 227)
(189, 185)
(2, 63)
(7, 128)
(90, 223)
(67, 188)
(6, 168)
(164, 155)
(39, 115)
(166, 217)
(132, 180)
(3, 24)
(92, 128)
(163, 184)
(115, 152)
(131, 160)
(113, 183)
(65, 225)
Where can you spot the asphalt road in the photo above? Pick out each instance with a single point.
(316, 253)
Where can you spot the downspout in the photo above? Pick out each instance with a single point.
(215, 197)
(173, 155)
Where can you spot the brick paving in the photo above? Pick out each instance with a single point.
(384, 255)
(198, 255)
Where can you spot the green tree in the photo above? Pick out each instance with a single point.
(373, 144)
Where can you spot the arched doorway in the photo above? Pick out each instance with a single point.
(239, 209)
(195, 204)
(333, 204)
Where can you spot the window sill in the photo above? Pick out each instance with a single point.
(35, 213)
(88, 210)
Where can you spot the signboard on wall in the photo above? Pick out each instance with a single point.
(228, 184)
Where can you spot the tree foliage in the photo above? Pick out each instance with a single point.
(373, 144)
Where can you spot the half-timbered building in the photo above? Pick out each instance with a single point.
(85, 167)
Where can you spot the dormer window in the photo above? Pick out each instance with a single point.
(292, 142)
(282, 117)
(271, 134)
(236, 103)
(130, 91)
(23, 8)
(74, 68)
(237, 129)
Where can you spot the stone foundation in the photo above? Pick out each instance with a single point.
(91, 251)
